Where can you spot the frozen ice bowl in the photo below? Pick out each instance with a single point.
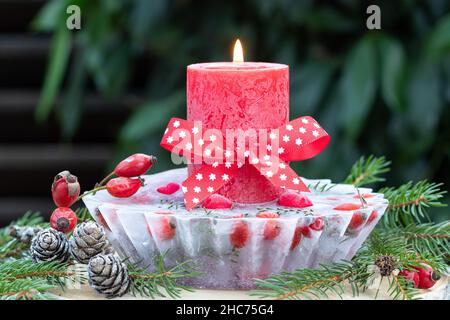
(150, 223)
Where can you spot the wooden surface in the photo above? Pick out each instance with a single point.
(440, 291)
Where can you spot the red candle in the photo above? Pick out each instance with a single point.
(240, 95)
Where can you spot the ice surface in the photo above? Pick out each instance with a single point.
(150, 223)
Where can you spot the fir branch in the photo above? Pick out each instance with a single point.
(306, 283)
(149, 284)
(367, 171)
(24, 279)
(408, 203)
(401, 288)
(427, 237)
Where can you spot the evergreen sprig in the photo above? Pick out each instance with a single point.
(408, 203)
(305, 283)
(25, 279)
(367, 171)
(151, 284)
(426, 237)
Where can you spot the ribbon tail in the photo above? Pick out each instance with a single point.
(283, 176)
(205, 182)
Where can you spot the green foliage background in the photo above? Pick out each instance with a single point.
(385, 91)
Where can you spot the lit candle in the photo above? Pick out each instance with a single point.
(240, 95)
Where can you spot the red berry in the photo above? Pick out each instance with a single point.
(297, 237)
(317, 225)
(411, 276)
(237, 216)
(306, 231)
(427, 278)
(295, 200)
(65, 189)
(123, 187)
(135, 165)
(269, 215)
(170, 188)
(166, 229)
(372, 216)
(63, 219)
(217, 201)
(239, 234)
(356, 221)
(271, 230)
(348, 207)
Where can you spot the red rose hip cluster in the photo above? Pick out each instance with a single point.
(66, 189)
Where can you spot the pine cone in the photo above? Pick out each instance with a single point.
(50, 245)
(108, 275)
(386, 264)
(23, 234)
(87, 241)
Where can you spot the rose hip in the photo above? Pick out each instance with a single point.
(356, 221)
(294, 200)
(65, 189)
(135, 165)
(239, 234)
(217, 201)
(372, 216)
(317, 225)
(63, 219)
(123, 187)
(297, 237)
(348, 207)
(269, 215)
(272, 229)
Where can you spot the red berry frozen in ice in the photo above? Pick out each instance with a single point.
(356, 221)
(295, 200)
(268, 215)
(317, 225)
(412, 276)
(297, 237)
(123, 187)
(240, 234)
(217, 201)
(427, 278)
(348, 207)
(65, 189)
(237, 216)
(165, 229)
(135, 165)
(63, 219)
(373, 216)
(170, 188)
(306, 231)
(272, 229)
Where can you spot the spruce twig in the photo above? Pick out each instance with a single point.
(367, 171)
(408, 203)
(149, 284)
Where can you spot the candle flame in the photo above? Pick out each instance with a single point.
(238, 55)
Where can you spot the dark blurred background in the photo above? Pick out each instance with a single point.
(81, 100)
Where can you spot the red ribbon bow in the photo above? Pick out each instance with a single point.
(298, 140)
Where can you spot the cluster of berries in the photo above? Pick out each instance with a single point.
(422, 278)
(66, 188)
